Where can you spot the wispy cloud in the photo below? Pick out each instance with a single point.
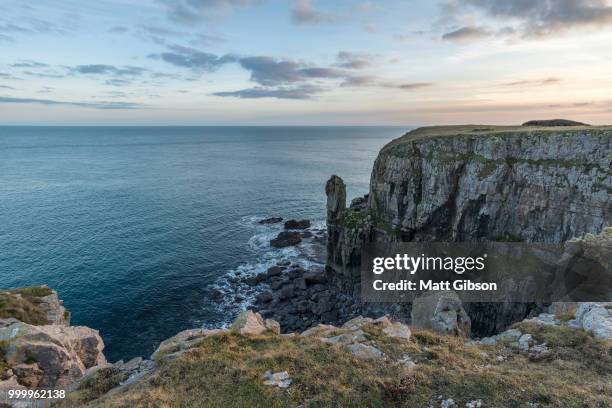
(194, 11)
(352, 60)
(304, 12)
(533, 18)
(95, 105)
(416, 85)
(534, 82)
(29, 64)
(296, 92)
(196, 60)
(104, 69)
(466, 33)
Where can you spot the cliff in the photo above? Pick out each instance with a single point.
(471, 183)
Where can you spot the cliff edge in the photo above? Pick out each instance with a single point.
(473, 183)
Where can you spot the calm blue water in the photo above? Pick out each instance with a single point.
(132, 225)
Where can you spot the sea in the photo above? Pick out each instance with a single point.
(138, 228)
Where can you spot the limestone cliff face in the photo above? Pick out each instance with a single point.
(532, 185)
(467, 183)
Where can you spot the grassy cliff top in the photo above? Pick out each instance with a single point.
(23, 304)
(226, 370)
(487, 130)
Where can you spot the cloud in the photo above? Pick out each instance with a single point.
(118, 30)
(416, 85)
(29, 64)
(117, 82)
(466, 33)
(351, 60)
(269, 71)
(297, 92)
(360, 80)
(194, 11)
(303, 13)
(534, 82)
(95, 105)
(43, 74)
(6, 87)
(544, 17)
(187, 57)
(103, 69)
(6, 38)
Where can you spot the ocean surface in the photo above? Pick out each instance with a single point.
(134, 226)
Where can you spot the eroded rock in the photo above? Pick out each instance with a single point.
(441, 312)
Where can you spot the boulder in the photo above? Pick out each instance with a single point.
(249, 323)
(183, 341)
(271, 220)
(365, 351)
(286, 292)
(274, 271)
(286, 239)
(273, 326)
(28, 375)
(314, 277)
(441, 312)
(297, 225)
(596, 318)
(264, 297)
(398, 331)
(51, 356)
(281, 379)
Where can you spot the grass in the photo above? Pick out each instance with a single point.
(24, 307)
(227, 371)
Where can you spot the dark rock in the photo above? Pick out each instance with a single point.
(275, 284)
(295, 224)
(264, 297)
(274, 271)
(295, 273)
(256, 280)
(554, 122)
(286, 239)
(313, 277)
(306, 234)
(300, 283)
(216, 294)
(359, 203)
(330, 316)
(271, 220)
(286, 292)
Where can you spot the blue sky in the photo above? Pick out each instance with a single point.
(304, 62)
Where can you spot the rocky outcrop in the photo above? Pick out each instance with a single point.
(441, 312)
(474, 183)
(50, 356)
(286, 239)
(38, 348)
(297, 225)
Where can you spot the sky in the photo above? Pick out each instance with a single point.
(304, 62)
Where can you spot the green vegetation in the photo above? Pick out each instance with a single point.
(98, 384)
(22, 304)
(33, 292)
(227, 371)
(354, 219)
(508, 238)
